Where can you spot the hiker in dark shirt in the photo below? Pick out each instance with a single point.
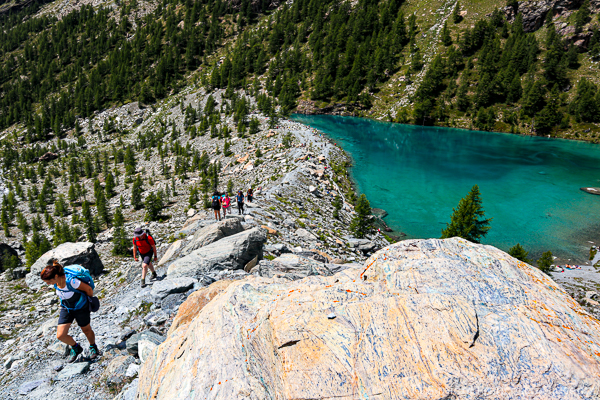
(216, 205)
(240, 202)
(250, 195)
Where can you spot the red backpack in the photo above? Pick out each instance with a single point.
(143, 244)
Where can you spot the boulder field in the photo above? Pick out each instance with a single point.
(422, 319)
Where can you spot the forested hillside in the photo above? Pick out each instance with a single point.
(427, 62)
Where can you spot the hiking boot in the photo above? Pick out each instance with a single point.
(154, 276)
(74, 353)
(94, 352)
(143, 283)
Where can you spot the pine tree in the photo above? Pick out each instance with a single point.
(582, 15)
(35, 248)
(446, 38)
(456, 17)
(22, 223)
(154, 205)
(129, 161)
(515, 91)
(120, 240)
(61, 208)
(72, 194)
(518, 252)
(136, 193)
(337, 206)
(110, 185)
(88, 221)
(101, 206)
(544, 263)
(468, 220)
(362, 223)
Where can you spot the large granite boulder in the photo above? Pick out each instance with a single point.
(82, 253)
(231, 253)
(211, 233)
(423, 319)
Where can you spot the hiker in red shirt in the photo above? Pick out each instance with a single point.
(145, 245)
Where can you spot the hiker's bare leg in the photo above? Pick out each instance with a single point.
(144, 271)
(151, 267)
(62, 334)
(89, 333)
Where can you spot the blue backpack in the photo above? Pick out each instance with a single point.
(81, 273)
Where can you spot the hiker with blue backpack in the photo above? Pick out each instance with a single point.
(75, 289)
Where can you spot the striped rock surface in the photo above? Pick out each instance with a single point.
(423, 319)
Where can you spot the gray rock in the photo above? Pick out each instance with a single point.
(59, 348)
(306, 235)
(132, 370)
(172, 301)
(231, 253)
(211, 233)
(162, 289)
(128, 392)
(115, 372)
(126, 335)
(172, 251)
(379, 213)
(47, 327)
(19, 273)
(15, 357)
(289, 223)
(312, 255)
(71, 370)
(193, 227)
(277, 248)
(132, 344)
(353, 242)
(368, 247)
(292, 267)
(147, 343)
(31, 386)
(82, 253)
(156, 318)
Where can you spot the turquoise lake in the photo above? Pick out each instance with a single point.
(530, 186)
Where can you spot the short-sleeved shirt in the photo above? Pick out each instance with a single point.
(142, 246)
(69, 298)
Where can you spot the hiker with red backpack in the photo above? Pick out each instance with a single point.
(144, 243)
(75, 289)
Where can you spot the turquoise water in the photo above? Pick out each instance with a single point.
(530, 186)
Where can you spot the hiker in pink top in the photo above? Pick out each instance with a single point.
(226, 202)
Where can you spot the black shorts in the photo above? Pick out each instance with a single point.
(82, 316)
(147, 258)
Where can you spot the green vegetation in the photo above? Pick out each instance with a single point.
(468, 220)
(362, 223)
(518, 252)
(120, 240)
(544, 263)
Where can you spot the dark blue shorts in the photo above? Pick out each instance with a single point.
(82, 316)
(147, 258)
